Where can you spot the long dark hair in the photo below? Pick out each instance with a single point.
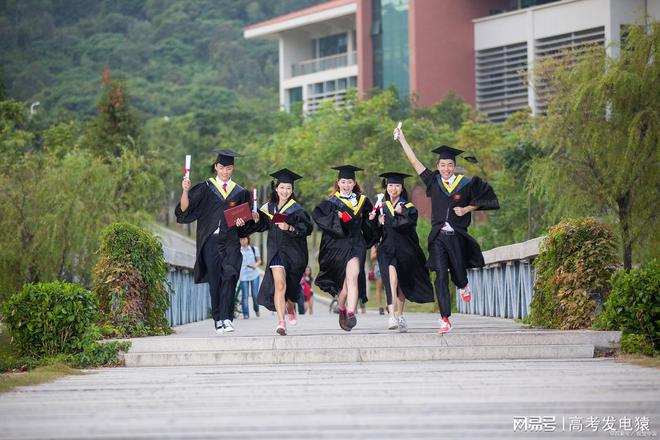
(356, 188)
(274, 198)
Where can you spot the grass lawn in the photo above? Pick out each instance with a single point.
(639, 359)
(10, 377)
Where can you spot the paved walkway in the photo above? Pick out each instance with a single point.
(378, 400)
(325, 323)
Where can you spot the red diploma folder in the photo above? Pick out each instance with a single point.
(279, 218)
(240, 211)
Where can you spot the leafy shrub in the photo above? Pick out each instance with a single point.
(50, 318)
(634, 308)
(577, 259)
(130, 281)
(634, 343)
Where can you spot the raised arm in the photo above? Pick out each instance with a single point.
(417, 165)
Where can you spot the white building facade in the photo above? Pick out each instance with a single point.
(317, 53)
(507, 44)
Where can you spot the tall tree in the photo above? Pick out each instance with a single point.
(116, 126)
(601, 134)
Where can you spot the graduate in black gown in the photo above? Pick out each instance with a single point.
(218, 259)
(288, 226)
(347, 234)
(401, 260)
(453, 198)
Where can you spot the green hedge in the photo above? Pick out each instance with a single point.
(634, 308)
(46, 319)
(577, 259)
(130, 281)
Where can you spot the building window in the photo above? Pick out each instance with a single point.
(501, 90)
(333, 45)
(390, 44)
(554, 47)
(295, 95)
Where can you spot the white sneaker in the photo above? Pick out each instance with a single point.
(392, 323)
(403, 325)
(228, 326)
(219, 329)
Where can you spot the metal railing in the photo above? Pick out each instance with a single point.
(503, 287)
(325, 63)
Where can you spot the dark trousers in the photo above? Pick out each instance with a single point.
(222, 289)
(446, 253)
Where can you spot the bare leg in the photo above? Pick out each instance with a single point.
(400, 302)
(351, 283)
(279, 279)
(394, 285)
(341, 298)
(311, 305)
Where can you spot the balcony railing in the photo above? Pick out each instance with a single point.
(325, 63)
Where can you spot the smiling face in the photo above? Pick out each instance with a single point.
(224, 172)
(346, 186)
(446, 168)
(394, 190)
(284, 191)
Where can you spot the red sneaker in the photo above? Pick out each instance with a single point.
(466, 294)
(445, 326)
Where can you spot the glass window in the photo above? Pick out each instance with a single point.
(352, 81)
(295, 95)
(318, 88)
(330, 86)
(333, 45)
(341, 84)
(390, 45)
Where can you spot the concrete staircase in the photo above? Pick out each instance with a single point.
(473, 342)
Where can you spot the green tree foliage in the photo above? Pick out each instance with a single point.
(170, 53)
(573, 268)
(58, 196)
(116, 127)
(601, 136)
(130, 281)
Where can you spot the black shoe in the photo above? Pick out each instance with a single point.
(351, 322)
(257, 313)
(342, 321)
(381, 311)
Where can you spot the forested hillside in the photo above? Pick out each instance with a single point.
(175, 56)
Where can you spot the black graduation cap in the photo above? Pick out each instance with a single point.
(226, 157)
(346, 171)
(395, 177)
(446, 152)
(285, 176)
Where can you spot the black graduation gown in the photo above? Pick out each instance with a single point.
(400, 247)
(291, 247)
(466, 191)
(207, 206)
(342, 241)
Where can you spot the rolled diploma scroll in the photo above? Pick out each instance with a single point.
(396, 135)
(254, 199)
(379, 202)
(186, 169)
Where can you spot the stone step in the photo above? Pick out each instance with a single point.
(371, 354)
(386, 340)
